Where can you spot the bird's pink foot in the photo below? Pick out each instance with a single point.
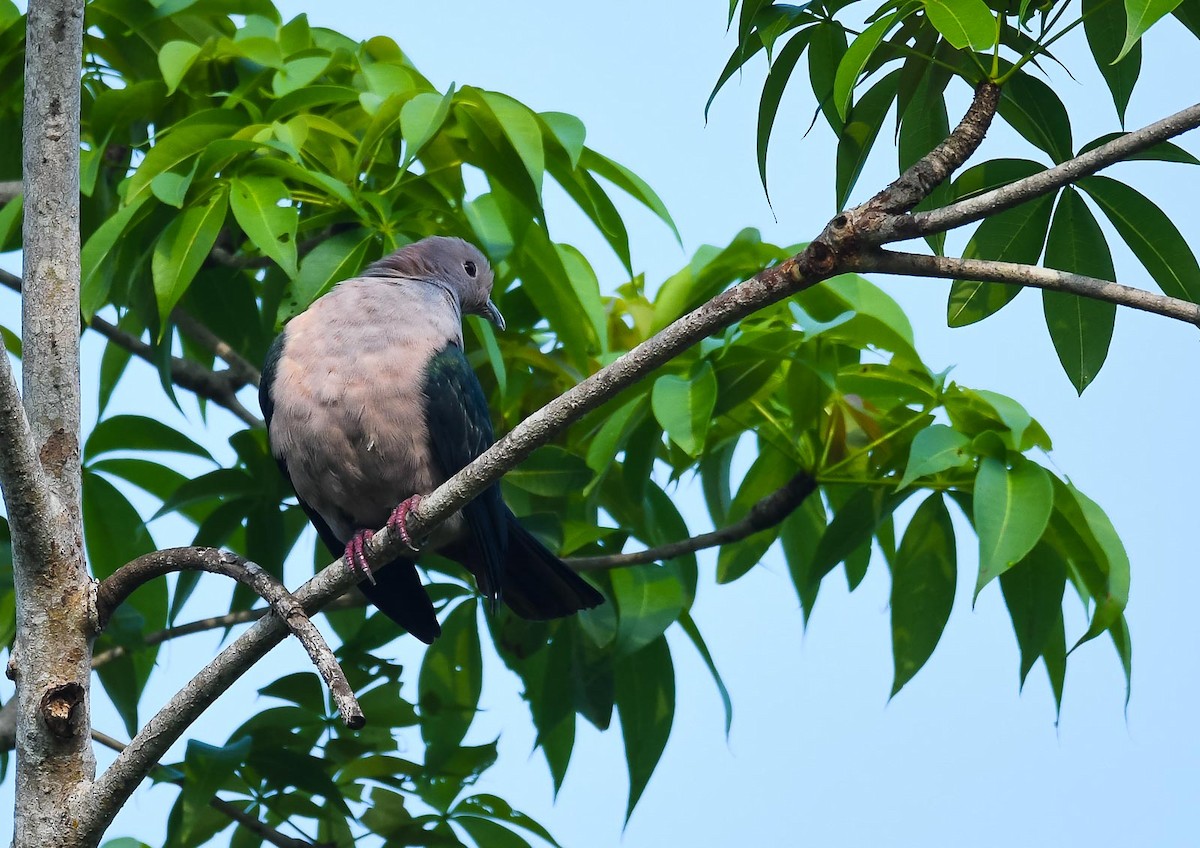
(355, 558)
(398, 521)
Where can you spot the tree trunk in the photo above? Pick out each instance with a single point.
(51, 658)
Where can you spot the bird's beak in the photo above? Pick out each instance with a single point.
(491, 313)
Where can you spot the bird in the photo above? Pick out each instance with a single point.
(370, 402)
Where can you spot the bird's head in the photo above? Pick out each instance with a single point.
(454, 265)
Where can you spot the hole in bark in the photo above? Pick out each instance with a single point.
(58, 708)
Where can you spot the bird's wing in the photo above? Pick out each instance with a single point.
(460, 429)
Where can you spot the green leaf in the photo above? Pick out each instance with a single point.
(649, 599)
(923, 580)
(95, 285)
(1110, 605)
(206, 768)
(828, 47)
(1035, 111)
(1142, 15)
(179, 143)
(684, 407)
(1012, 509)
(855, 60)
(1164, 151)
(1080, 327)
(521, 128)
(492, 807)
(859, 132)
(175, 58)
(182, 249)
(568, 132)
(136, 432)
(1033, 593)
(1104, 24)
(587, 291)
(450, 682)
(645, 698)
(420, 120)
(630, 183)
(693, 633)
(12, 342)
(936, 448)
(1014, 235)
(1150, 234)
(256, 203)
(770, 472)
(337, 258)
(853, 526)
(488, 834)
(768, 107)
(964, 23)
(551, 471)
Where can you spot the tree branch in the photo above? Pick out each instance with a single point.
(218, 386)
(923, 176)
(251, 822)
(766, 513)
(240, 370)
(216, 622)
(1033, 276)
(115, 588)
(1052, 179)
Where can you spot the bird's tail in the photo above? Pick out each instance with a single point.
(398, 593)
(535, 584)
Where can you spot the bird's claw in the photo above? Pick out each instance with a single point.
(398, 521)
(355, 558)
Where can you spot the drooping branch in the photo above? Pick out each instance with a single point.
(997, 200)
(218, 386)
(119, 585)
(1033, 276)
(765, 513)
(231, 811)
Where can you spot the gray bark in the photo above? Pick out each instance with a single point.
(51, 658)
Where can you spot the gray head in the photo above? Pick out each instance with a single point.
(454, 265)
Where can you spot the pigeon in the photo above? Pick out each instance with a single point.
(369, 402)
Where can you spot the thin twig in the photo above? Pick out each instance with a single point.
(997, 200)
(766, 513)
(1033, 276)
(203, 625)
(115, 588)
(240, 370)
(251, 822)
(218, 386)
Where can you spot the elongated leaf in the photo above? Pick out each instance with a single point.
(551, 471)
(964, 23)
(188, 138)
(859, 132)
(1014, 235)
(1164, 151)
(256, 203)
(923, 580)
(768, 106)
(333, 260)
(934, 449)
(521, 128)
(1142, 15)
(136, 432)
(420, 119)
(1150, 234)
(1110, 604)
(628, 182)
(1080, 327)
(182, 249)
(684, 407)
(693, 633)
(828, 47)
(855, 60)
(175, 58)
(645, 697)
(1012, 508)
(649, 599)
(1104, 24)
(1035, 111)
(1033, 593)
(95, 285)
(450, 681)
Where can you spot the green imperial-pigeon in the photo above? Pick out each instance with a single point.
(369, 402)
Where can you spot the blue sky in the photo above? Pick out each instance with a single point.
(818, 755)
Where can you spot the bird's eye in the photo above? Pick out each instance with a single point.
(469, 267)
